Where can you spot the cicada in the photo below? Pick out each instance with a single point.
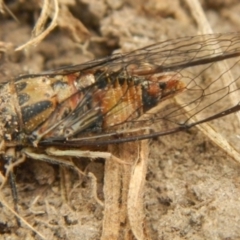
(65, 112)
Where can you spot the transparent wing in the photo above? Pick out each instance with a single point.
(191, 60)
(165, 56)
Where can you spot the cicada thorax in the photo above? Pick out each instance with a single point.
(30, 101)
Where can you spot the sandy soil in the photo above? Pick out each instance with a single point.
(192, 185)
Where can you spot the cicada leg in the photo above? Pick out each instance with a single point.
(86, 154)
(57, 156)
(63, 158)
(51, 155)
(29, 152)
(13, 159)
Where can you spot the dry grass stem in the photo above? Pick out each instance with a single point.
(227, 80)
(123, 193)
(5, 204)
(40, 23)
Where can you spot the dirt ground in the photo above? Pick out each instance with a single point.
(192, 188)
